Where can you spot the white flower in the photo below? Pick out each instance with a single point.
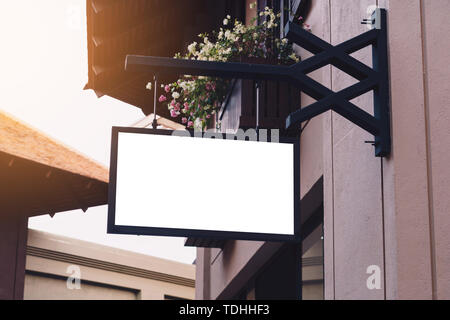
(294, 57)
(253, 5)
(192, 47)
(225, 22)
(240, 28)
(198, 123)
(228, 17)
(175, 95)
(183, 85)
(284, 41)
(149, 86)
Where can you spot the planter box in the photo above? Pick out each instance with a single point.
(276, 101)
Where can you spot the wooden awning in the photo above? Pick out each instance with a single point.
(39, 175)
(116, 28)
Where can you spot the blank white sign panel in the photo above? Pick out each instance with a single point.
(204, 184)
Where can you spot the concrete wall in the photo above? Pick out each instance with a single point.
(436, 30)
(106, 273)
(391, 213)
(44, 287)
(353, 213)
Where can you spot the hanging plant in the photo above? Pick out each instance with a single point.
(196, 99)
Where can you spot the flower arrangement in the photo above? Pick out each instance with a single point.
(197, 99)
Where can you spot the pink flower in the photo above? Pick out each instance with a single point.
(192, 114)
(173, 114)
(177, 107)
(167, 88)
(172, 103)
(300, 18)
(186, 105)
(162, 98)
(190, 124)
(208, 116)
(184, 120)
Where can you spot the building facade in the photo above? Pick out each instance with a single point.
(61, 268)
(372, 228)
(381, 224)
(38, 176)
(41, 176)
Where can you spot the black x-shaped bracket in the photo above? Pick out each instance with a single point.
(376, 78)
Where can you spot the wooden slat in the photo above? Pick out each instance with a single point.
(262, 102)
(283, 95)
(272, 99)
(247, 98)
(294, 99)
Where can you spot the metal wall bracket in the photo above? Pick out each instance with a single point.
(376, 78)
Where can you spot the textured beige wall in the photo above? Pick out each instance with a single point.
(393, 214)
(418, 268)
(436, 26)
(408, 163)
(352, 180)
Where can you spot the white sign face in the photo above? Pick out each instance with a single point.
(193, 183)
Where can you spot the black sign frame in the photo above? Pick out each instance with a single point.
(112, 228)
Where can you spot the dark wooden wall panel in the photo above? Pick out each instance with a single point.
(13, 239)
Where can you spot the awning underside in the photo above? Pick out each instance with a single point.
(28, 188)
(116, 28)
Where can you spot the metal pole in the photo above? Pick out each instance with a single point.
(257, 106)
(155, 121)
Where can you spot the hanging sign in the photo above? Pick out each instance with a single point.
(216, 186)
